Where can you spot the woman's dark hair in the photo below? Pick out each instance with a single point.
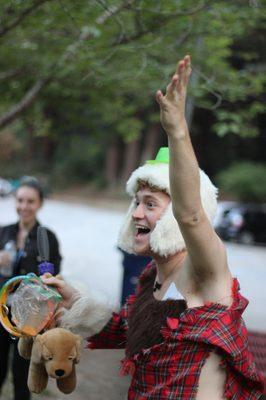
(32, 182)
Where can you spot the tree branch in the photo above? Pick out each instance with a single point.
(24, 103)
(5, 75)
(199, 7)
(112, 11)
(33, 92)
(162, 20)
(19, 18)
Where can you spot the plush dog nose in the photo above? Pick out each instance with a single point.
(59, 372)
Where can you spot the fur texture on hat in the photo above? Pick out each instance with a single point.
(166, 238)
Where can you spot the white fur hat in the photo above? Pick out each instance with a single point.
(166, 238)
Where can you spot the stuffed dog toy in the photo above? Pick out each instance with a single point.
(53, 353)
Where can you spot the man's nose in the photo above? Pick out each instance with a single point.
(139, 212)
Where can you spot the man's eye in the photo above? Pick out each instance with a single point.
(150, 204)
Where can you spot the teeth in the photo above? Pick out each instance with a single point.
(142, 229)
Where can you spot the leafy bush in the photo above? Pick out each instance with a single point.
(244, 180)
(78, 160)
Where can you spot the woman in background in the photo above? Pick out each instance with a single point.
(19, 256)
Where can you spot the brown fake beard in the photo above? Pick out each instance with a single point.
(148, 316)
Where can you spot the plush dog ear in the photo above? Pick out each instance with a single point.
(36, 353)
(25, 346)
(78, 349)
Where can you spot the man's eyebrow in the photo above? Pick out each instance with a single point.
(147, 197)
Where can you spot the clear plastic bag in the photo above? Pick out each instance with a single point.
(33, 305)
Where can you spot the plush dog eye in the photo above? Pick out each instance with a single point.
(50, 357)
(71, 357)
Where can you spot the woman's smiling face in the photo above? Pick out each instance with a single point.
(150, 205)
(28, 202)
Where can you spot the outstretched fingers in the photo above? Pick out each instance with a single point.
(187, 69)
(177, 87)
(180, 79)
(160, 98)
(173, 85)
(184, 71)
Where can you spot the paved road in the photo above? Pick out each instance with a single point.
(87, 240)
(88, 243)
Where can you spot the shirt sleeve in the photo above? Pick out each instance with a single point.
(113, 334)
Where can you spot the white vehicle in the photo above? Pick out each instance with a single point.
(5, 187)
(223, 208)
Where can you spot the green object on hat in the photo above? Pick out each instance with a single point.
(161, 158)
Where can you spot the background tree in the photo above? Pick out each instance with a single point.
(78, 82)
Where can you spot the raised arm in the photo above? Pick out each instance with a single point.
(207, 257)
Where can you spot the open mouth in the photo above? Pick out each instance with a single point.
(142, 230)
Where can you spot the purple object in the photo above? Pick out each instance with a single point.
(45, 266)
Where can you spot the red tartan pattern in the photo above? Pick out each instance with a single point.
(113, 335)
(257, 345)
(171, 369)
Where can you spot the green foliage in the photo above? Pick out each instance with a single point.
(77, 160)
(245, 180)
(232, 122)
(106, 59)
(113, 50)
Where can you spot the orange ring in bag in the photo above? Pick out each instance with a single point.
(4, 310)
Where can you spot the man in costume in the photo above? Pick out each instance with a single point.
(183, 331)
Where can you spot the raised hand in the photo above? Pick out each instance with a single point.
(172, 105)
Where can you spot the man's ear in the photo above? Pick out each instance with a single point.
(78, 348)
(36, 353)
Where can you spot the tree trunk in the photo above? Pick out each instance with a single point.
(131, 159)
(48, 149)
(111, 164)
(151, 143)
(30, 144)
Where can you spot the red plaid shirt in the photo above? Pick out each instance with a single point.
(171, 369)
